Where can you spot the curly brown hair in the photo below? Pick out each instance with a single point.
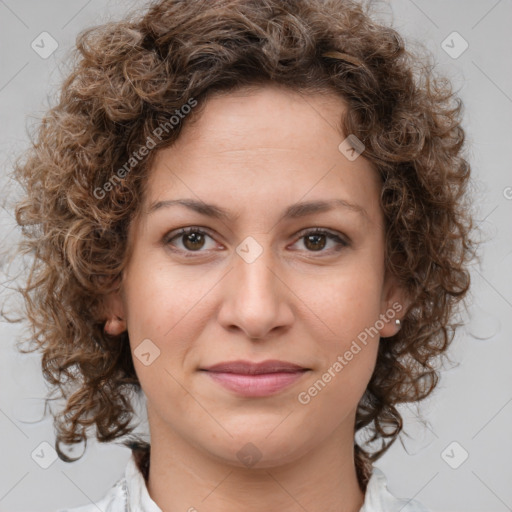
(128, 77)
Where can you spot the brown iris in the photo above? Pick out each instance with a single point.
(315, 239)
(193, 240)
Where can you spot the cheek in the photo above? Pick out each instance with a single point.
(163, 304)
(158, 295)
(343, 311)
(346, 338)
(345, 302)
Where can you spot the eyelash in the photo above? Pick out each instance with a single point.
(317, 231)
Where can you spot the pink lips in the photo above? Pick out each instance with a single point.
(255, 379)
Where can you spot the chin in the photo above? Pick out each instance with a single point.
(260, 449)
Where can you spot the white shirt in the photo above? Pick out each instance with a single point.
(130, 494)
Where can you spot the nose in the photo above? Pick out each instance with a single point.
(256, 298)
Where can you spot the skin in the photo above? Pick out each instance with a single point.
(256, 152)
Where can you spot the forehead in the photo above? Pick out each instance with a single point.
(260, 146)
(254, 114)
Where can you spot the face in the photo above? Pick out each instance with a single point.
(256, 283)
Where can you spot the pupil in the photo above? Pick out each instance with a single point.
(315, 243)
(194, 238)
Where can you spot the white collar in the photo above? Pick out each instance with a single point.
(130, 494)
(377, 498)
(138, 498)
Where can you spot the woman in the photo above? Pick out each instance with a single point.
(254, 213)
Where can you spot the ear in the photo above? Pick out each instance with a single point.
(394, 304)
(115, 312)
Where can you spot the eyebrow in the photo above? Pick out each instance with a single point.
(293, 211)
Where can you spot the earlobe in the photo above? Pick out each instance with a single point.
(395, 303)
(116, 322)
(115, 326)
(391, 325)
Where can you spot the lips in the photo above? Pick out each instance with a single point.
(248, 379)
(250, 368)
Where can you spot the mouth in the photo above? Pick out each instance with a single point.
(250, 379)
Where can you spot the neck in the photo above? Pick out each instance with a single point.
(185, 478)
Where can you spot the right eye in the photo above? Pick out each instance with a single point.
(192, 239)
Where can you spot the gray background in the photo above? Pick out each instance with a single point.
(472, 406)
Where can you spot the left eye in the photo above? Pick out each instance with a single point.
(193, 240)
(316, 240)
